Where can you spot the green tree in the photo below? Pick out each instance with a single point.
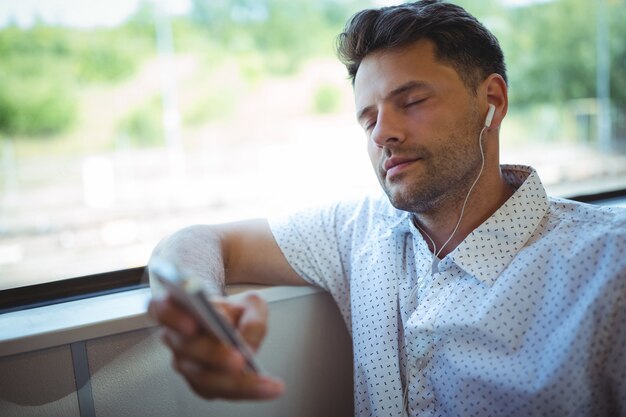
(552, 51)
(279, 30)
(144, 126)
(36, 93)
(43, 67)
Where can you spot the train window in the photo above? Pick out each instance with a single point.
(122, 121)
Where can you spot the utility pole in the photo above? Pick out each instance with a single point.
(603, 76)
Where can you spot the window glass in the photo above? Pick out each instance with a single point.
(122, 121)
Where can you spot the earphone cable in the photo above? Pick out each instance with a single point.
(436, 253)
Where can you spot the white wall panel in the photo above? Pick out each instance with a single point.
(39, 383)
(308, 347)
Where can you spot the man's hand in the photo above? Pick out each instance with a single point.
(212, 369)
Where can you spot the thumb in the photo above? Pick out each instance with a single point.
(253, 320)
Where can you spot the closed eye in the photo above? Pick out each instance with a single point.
(414, 102)
(369, 125)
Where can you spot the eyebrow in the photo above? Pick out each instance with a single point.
(408, 86)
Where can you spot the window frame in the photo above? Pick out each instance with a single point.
(60, 291)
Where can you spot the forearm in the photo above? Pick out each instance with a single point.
(199, 250)
(242, 252)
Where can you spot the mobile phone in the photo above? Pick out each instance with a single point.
(189, 292)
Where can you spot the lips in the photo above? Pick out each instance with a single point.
(395, 163)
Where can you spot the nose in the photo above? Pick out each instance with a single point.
(388, 129)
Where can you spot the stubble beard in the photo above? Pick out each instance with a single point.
(446, 176)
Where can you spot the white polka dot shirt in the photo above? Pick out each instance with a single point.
(526, 317)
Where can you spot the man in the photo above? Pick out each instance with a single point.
(467, 291)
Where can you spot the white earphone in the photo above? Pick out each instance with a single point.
(489, 118)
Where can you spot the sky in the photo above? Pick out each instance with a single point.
(90, 13)
(78, 13)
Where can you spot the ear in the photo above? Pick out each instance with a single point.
(495, 91)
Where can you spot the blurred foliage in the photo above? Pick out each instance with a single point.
(44, 66)
(550, 49)
(218, 104)
(98, 63)
(36, 97)
(144, 126)
(283, 33)
(327, 99)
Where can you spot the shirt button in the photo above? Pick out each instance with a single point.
(421, 363)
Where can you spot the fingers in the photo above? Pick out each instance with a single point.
(168, 313)
(212, 384)
(252, 323)
(206, 351)
(249, 316)
(211, 368)
(214, 370)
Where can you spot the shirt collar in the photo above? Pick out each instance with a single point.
(394, 221)
(492, 246)
(487, 251)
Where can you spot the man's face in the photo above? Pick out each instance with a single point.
(422, 126)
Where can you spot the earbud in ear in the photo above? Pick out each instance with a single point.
(492, 110)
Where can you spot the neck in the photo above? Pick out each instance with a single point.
(445, 226)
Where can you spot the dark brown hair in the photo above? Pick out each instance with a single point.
(460, 39)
